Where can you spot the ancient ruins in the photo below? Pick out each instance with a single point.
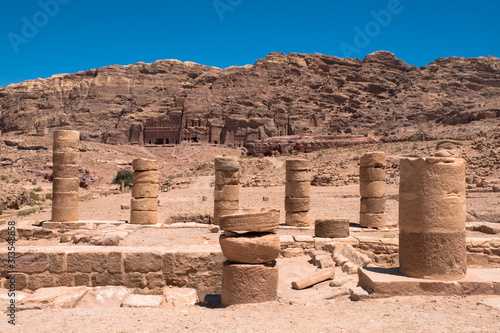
(227, 187)
(432, 218)
(331, 228)
(425, 248)
(66, 176)
(372, 190)
(251, 246)
(144, 203)
(298, 192)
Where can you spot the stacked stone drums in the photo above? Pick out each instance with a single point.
(432, 218)
(144, 204)
(66, 176)
(372, 176)
(298, 192)
(251, 245)
(227, 186)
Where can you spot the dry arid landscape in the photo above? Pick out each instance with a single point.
(106, 273)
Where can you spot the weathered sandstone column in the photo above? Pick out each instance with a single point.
(432, 218)
(372, 176)
(298, 192)
(227, 186)
(66, 176)
(251, 245)
(144, 204)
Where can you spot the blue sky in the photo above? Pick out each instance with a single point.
(39, 38)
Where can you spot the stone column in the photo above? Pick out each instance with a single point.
(372, 176)
(298, 192)
(144, 204)
(251, 245)
(331, 228)
(227, 186)
(432, 218)
(66, 176)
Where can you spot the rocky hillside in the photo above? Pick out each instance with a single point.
(306, 95)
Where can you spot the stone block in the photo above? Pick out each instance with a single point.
(226, 163)
(227, 192)
(265, 220)
(331, 228)
(135, 280)
(293, 252)
(155, 280)
(31, 262)
(145, 177)
(367, 220)
(66, 171)
(298, 165)
(297, 219)
(419, 255)
(143, 262)
(298, 176)
(143, 217)
(243, 283)
(373, 159)
(56, 297)
(373, 205)
(142, 301)
(251, 248)
(298, 189)
(142, 190)
(37, 281)
(86, 262)
(343, 253)
(63, 280)
(66, 185)
(180, 297)
(286, 240)
(150, 204)
(64, 158)
(372, 189)
(82, 279)
(115, 264)
(65, 214)
(226, 205)
(227, 177)
(370, 174)
(143, 164)
(57, 262)
(297, 204)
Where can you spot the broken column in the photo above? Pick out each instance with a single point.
(331, 228)
(298, 192)
(432, 218)
(372, 176)
(251, 245)
(66, 176)
(144, 204)
(227, 186)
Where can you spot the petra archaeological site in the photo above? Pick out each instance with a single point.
(299, 209)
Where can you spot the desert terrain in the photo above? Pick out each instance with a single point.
(328, 110)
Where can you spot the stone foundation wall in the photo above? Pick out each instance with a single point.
(130, 267)
(480, 251)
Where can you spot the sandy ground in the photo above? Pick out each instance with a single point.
(308, 310)
(404, 314)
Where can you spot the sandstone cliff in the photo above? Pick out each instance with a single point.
(304, 95)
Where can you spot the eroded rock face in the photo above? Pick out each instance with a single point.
(280, 95)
